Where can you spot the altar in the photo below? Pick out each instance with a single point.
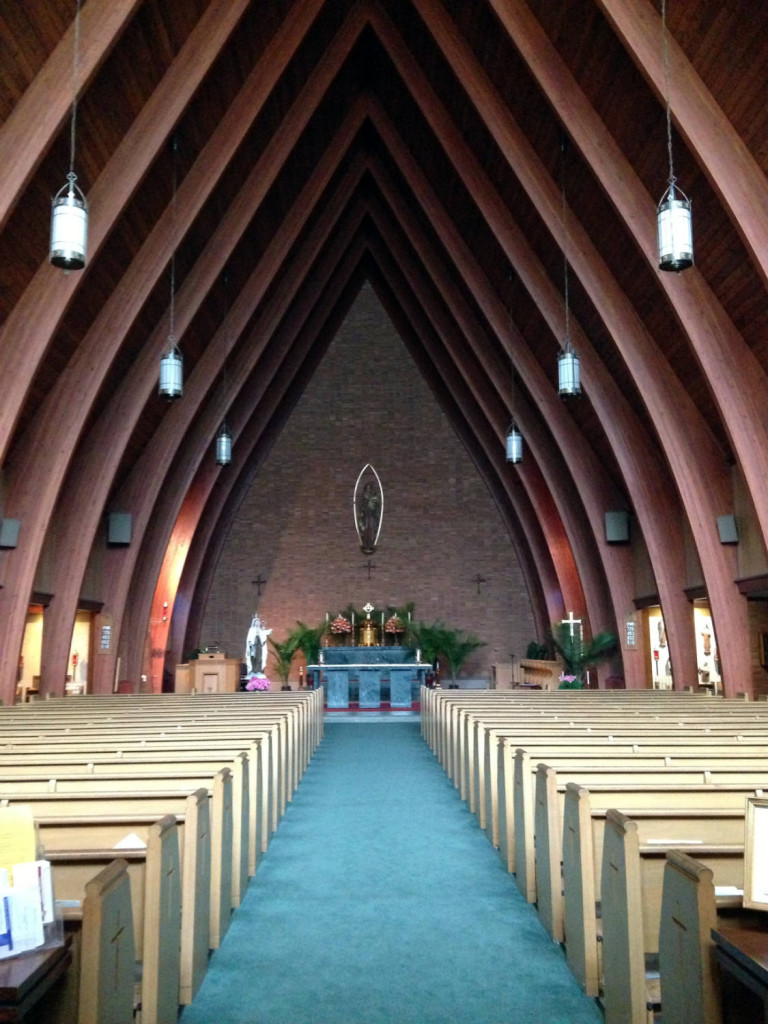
(370, 676)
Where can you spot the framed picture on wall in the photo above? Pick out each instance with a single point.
(756, 854)
(763, 642)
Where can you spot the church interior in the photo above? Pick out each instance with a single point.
(506, 261)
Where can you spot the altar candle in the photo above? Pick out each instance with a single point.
(382, 620)
(353, 620)
(326, 618)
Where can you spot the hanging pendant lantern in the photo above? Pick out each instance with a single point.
(675, 230)
(171, 374)
(514, 444)
(568, 372)
(224, 446)
(69, 226)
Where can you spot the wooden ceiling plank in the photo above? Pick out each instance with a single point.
(688, 444)
(29, 329)
(733, 373)
(646, 473)
(725, 159)
(36, 119)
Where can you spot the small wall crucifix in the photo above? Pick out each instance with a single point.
(478, 580)
(369, 565)
(258, 583)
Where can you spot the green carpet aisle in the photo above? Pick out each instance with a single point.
(381, 902)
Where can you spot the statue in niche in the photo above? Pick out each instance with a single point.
(368, 507)
(256, 647)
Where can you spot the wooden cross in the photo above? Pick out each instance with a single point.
(370, 565)
(258, 583)
(572, 623)
(478, 580)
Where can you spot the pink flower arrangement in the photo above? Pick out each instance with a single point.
(341, 625)
(394, 625)
(257, 682)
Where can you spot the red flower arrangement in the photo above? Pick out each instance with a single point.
(394, 625)
(341, 625)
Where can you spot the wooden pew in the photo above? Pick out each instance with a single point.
(76, 832)
(107, 957)
(235, 801)
(719, 764)
(690, 984)
(509, 812)
(716, 836)
(255, 785)
(625, 996)
(138, 812)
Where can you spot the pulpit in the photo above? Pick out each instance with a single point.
(210, 672)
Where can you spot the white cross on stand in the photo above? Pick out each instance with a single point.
(571, 622)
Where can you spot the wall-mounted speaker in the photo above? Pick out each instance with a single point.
(9, 533)
(119, 528)
(617, 527)
(726, 527)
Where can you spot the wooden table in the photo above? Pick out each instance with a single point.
(26, 978)
(741, 949)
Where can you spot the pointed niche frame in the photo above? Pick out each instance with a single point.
(368, 508)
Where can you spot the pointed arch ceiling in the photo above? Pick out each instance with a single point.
(453, 154)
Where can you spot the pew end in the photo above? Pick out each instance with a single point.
(690, 985)
(108, 958)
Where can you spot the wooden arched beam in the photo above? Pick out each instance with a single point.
(575, 478)
(417, 308)
(733, 171)
(157, 519)
(211, 503)
(216, 515)
(94, 466)
(735, 376)
(270, 387)
(583, 583)
(42, 457)
(36, 119)
(36, 316)
(694, 457)
(648, 480)
(153, 550)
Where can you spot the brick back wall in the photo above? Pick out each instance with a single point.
(368, 403)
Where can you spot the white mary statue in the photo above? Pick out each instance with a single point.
(256, 647)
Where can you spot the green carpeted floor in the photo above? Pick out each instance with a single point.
(380, 901)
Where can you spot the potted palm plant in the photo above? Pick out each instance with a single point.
(577, 653)
(283, 651)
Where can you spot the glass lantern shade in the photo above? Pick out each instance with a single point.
(568, 373)
(223, 447)
(675, 231)
(69, 227)
(171, 374)
(514, 444)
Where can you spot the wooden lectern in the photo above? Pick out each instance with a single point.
(210, 672)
